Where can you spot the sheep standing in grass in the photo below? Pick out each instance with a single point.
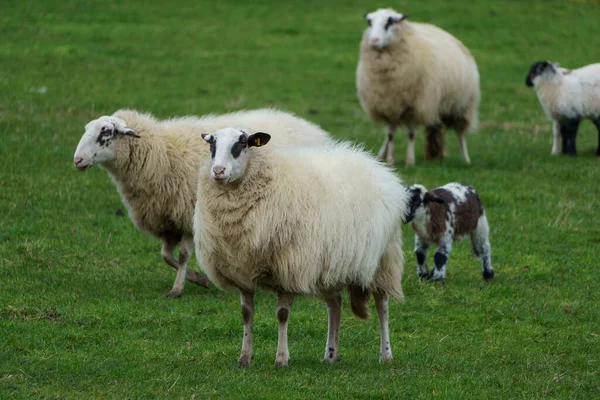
(412, 74)
(154, 165)
(442, 216)
(568, 97)
(300, 220)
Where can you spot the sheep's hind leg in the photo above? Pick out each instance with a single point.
(168, 249)
(334, 312)
(481, 247)
(434, 142)
(421, 253)
(440, 259)
(247, 301)
(462, 140)
(386, 153)
(284, 306)
(186, 249)
(381, 304)
(410, 148)
(597, 123)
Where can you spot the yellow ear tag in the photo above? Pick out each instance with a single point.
(258, 142)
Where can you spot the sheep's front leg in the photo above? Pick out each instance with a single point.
(386, 153)
(568, 130)
(247, 300)
(284, 306)
(334, 312)
(381, 304)
(434, 142)
(186, 249)
(421, 253)
(480, 239)
(555, 138)
(410, 148)
(440, 259)
(168, 249)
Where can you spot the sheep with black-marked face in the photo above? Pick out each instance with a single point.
(412, 74)
(313, 219)
(442, 216)
(567, 97)
(154, 165)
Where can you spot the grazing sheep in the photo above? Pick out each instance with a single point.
(300, 220)
(445, 215)
(154, 165)
(412, 74)
(593, 71)
(567, 99)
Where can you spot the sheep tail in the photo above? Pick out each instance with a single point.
(359, 301)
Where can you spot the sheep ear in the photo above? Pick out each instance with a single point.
(402, 18)
(129, 132)
(208, 137)
(258, 139)
(430, 197)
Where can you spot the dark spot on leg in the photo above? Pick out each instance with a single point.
(283, 314)
(421, 256)
(331, 349)
(488, 274)
(246, 313)
(440, 260)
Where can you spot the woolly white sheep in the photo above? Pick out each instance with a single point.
(412, 74)
(568, 97)
(154, 165)
(442, 216)
(300, 220)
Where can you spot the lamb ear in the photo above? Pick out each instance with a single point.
(207, 137)
(402, 18)
(258, 139)
(430, 197)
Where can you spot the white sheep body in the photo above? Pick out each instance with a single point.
(425, 76)
(567, 97)
(304, 220)
(156, 173)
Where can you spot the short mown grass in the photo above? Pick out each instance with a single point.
(83, 311)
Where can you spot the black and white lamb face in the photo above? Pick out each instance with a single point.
(538, 69)
(415, 202)
(229, 152)
(381, 26)
(97, 145)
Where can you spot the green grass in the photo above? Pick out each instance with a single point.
(82, 306)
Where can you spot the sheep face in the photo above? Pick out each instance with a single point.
(415, 202)
(229, 152)
(97, 145)
(381, 26)
(538, 69)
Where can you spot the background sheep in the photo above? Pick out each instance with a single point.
(154, 165)
(412, 74)
(566, 99)
(587, 71)
(442, 216)
(306, 220)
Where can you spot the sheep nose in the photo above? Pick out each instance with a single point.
(218, 171)
(78, 161)
(374, 40)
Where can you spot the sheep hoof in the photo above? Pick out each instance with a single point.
(487, 275)
(410, 162)
(203, 281)
(437, 278)
(174, 293)
(244, 361)
(385, 358)
(283, 362)
(331, 360)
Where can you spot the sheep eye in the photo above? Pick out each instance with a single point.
(389, 22)
(369, 22)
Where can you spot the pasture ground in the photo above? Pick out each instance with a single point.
(83, 311)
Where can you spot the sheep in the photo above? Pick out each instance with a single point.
(154, 165)
(300, 220)
(568, 97)
(442, 216)
(412, 74)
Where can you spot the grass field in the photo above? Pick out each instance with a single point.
(83, 311)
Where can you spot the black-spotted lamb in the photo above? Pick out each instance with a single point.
(300, 220)
(442, 216)
(411, 74)
(154, 165)
(567, 97)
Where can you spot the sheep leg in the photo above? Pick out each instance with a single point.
(284, 305)
(421, 253)
(386, 153)
(440, 259)
(481, 247)
(462, 139)
(556, 138)
(167, 251)
(597, 123)
(186, 249)
(381, 304)
(334, 312)
(434, 142)
(247, 300)
(568, 130)
(410, 149)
